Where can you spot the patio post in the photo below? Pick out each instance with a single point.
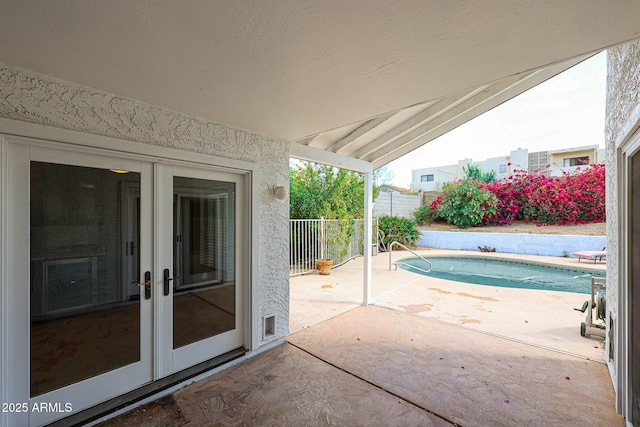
(313, 154)
(368, 234)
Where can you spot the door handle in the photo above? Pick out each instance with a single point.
(146, 284)
(167, 279)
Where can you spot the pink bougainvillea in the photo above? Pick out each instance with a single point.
(573, 198)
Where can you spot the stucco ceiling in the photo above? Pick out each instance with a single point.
(293, 69)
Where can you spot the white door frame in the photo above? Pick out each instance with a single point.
(10, 215)
(621, 369)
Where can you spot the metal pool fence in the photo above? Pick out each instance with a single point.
(337, 239)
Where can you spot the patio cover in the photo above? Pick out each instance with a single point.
(354, 84)
(362, 79)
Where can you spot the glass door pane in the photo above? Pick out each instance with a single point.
(204, 285)
(85, 262)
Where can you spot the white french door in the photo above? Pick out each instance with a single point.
(199, 225)
(122, 271)
(78, 335)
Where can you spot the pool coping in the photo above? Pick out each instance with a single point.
(512, 260)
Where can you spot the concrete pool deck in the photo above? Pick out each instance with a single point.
(429, 353)
(541, 318)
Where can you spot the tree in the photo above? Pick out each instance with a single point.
(382, 176)
(324, 191)
(474, 172)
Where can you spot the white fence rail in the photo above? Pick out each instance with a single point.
(313, 239)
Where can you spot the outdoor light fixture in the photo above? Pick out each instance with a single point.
(279, 191)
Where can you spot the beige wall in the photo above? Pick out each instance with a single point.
(558, 158)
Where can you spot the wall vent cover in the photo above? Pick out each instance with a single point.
(269, 323)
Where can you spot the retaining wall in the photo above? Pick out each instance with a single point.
(529, 244)
(396, 204)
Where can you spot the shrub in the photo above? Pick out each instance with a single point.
(424, 214)
(464, 203)
(573, 198)
(513, 195)
(398, 229)
(570, 199)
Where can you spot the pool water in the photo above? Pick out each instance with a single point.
(510, 274)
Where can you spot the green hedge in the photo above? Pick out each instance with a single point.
(465, 203)
(398, 229)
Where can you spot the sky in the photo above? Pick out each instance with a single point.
(565, 111)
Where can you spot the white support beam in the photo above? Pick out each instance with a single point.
(368, 237)
(494, 96)
(306, 140)
(340, 145)
(452, 112)
(393, 152)
(419, 119)
(318, 155)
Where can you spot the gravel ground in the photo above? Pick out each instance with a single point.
(592, 229)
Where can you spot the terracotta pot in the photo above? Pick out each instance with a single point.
(324, 266)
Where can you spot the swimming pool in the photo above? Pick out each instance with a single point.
(505, 273)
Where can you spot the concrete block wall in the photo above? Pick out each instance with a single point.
(396, 204)
(528, 244)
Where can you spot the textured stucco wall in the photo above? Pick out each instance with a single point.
(622, 119)
(39, 99)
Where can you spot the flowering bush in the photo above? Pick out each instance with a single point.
(573, 198)
(570, 199)
(464, 203)
(513, 195)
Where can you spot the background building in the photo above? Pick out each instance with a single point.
(552, 163)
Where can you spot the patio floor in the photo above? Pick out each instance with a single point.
(431, 352)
